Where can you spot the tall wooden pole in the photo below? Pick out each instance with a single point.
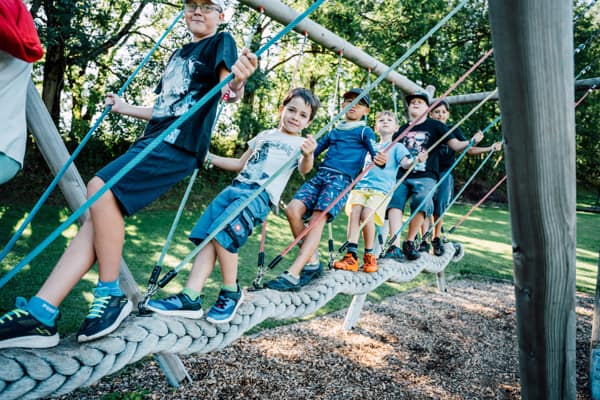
(533, 44)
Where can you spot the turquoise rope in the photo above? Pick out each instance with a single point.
(79, 148)
(328, 127)
(151, 146)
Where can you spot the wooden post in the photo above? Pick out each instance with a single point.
(595, 342)
(533, 51)
(55, 153)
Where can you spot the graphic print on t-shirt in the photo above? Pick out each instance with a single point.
(255, 167)
(415, 142)
(175, 83)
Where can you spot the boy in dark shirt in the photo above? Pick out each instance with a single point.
(422, 178)
(192, 72)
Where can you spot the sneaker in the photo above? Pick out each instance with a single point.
(424, 247)
(438, 247)
(106, 314)
(409, 250)
(394, 253)
(310, 272)
(370, 263)
(348, 263)
(226, 306)
(18, 328)
(285, 282)
(179, 305)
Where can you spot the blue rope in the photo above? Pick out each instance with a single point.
(151, 146)
(79, 148)
(297, 154)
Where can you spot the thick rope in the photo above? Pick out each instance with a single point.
(31, 373)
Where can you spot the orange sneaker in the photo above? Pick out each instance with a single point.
(348, 263)
(370, 264)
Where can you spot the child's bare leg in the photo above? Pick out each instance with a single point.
(437, 231)
(229, 265)
(311, 242)
(75, 262)
(354, 223)
(395, 222)
(369, 228)
(109, 232)
(414, 226)
(204, 263)
(294, 212)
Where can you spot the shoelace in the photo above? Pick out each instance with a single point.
(17, 312)
(222, 302)
(98, 307)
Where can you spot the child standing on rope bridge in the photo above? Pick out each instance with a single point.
(348, 146)
(422, 178)
(368, 199)
(192, 71)
(267, 152)
(445, 190)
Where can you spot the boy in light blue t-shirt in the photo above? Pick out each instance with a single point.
(368, 199)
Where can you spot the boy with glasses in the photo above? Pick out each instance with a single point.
(192, 71)
(347, 146)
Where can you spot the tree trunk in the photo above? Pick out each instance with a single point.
(533, 43)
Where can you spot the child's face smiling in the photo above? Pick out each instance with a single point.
(202, 24)
(295, 116)
(358, 111)
(440, 113)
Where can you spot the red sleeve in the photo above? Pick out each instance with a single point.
(17, 31)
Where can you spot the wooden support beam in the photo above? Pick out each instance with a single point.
(284, 14)
(55, 153)
(533, 52)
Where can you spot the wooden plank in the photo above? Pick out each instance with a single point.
(55, 153)
(533, 52)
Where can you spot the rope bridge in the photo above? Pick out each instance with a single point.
(35, 373)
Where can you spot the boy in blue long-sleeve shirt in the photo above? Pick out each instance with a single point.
(347, 146)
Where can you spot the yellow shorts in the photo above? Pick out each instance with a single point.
(368, 198)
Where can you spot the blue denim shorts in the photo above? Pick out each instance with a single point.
(156, 173)
(420, 190)
(320, 191)
(443, 195)
(236, 232)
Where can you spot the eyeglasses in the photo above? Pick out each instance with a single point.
(204, 8)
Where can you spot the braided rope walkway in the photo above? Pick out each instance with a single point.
(35, 373)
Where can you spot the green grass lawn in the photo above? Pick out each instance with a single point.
(485, 236)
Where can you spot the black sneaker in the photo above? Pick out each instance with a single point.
(424, 247)
(409, 250)
(310, 272)
(18, 328)
(285, 282)
(179, 305)
(394, 253)
(106, 314)
(438, 246)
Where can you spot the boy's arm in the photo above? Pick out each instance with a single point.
(478, 150)
(307, 148)
(242, 69)
(229, 163)
(459, 145)
(408, 160)
(121, 107)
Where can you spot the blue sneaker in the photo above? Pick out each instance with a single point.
(106, 314)
(285, 282)
(179, 305)
(310, 272)
(394, 253)
(226, 306)
(18, 328)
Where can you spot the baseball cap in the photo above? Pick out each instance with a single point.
(357, 91)
(418, 95)
(219, 3)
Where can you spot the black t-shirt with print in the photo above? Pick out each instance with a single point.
(192, 71)
(421, 137)
(447, 155)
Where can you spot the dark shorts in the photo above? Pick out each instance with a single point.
(236, 232)
(320, 191)
(156, 173)
(420, 189)
(443, 195)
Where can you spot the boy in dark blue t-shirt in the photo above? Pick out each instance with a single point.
(192, 71)
(347, 146)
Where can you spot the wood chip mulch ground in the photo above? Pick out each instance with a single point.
(417, 345)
